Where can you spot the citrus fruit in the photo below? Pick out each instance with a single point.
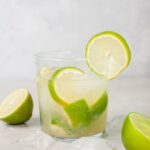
(17, 107)
(61, 85)
(107, 54)
(136, 132)
(79, 113)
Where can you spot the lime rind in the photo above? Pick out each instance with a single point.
(100, 105)
(79, 113)
(123, 43)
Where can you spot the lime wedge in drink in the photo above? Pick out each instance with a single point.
(100, 105)
(57, 130)
(60, 121)
(17, 107)
(61, 85)
(136, 132)
(107, 53)
(79, 113)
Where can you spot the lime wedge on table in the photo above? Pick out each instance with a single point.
(136, 132)
(108, 53)
(17, 107)
(61, 85)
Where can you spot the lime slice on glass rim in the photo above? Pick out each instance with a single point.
(107, 48)
(136, 132)
(17, 107)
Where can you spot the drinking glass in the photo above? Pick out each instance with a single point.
(73, 99)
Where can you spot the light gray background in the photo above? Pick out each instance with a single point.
(30, 26)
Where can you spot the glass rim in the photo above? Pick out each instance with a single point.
(48, 56)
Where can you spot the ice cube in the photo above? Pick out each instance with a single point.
(37, 140)
(90, 143)
(113, 134)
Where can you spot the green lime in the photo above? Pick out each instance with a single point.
(136, 132)
(78, 113)
(107, 53)
(60, 121)
(100, 105)
(62, 84)
(17, 107)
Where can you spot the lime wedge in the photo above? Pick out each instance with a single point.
(136, 132)
(57, 130)
(108, 53)
(100, 106)
(61, 85)
(17, 107)
(61, 121)
(79, 113)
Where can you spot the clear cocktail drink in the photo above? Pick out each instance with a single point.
(73, 101)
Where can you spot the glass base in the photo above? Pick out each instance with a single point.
(65, 139)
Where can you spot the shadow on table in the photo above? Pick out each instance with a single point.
(33, 122)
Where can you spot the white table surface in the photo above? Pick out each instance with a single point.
(125, 95)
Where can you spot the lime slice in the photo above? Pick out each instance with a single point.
(17, 107)
(69, 84)
(108, 53)
(61, 85)
(136, 132)
(79, 113)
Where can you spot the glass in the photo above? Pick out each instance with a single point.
(77, 106)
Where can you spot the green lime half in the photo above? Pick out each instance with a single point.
(136, 132)
(17, 107)
(108, 53)
(62, 84)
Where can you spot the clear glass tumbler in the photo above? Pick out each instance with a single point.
(72, 98)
